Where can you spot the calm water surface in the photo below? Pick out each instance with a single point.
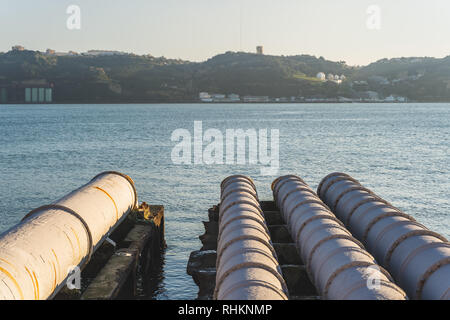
(400, 151)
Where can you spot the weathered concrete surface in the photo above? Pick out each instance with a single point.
(280, 234)
(298, 281)
(115, 278)
(202, 268)
(202, 264)
(287, 253)
(110, 274)
(273, 218)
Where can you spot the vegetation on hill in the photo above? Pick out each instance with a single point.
(133, 78)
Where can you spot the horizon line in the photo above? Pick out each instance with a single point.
(222, 53)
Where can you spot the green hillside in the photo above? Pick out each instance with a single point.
(133, 78)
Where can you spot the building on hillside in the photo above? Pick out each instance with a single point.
(321, 76)
(105, 53)
(18, 48)
(260, 50)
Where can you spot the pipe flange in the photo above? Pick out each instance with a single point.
(302, 188)
(128, 178)
(387, 258)
(357, 188)
(298, 205)
(287, 179)
(381, 217)
(351, 265)
(338, 179)
(336, 236)
(245, 237)
(339, 250)
(374, 198)
(253, 194)
(318, 217)
(428, 273)
(331, 175)
(414, 253)
(73, 213)
(226, 180)
(273, 185)
(382, 282)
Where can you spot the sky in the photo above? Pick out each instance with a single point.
(355, 31)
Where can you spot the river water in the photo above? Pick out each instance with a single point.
(401, 151)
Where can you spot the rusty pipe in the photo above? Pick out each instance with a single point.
(37, 255)
(418, 259)
(337, 264)
(247, 266)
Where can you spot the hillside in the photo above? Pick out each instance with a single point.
(133, 78)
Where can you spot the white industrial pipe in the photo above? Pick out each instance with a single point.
(247, 266)
(37, 255)
(418, 259)
(337, 263)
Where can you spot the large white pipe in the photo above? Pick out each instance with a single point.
(418, 259)
(37, 255)
(337, 263)
(247, 266)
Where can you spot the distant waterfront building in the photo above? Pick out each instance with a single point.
(395, 98)
(3, 95)
(205, 97)
(18, 48)
(260, 50)
(38, 95)
(233, 97)
(50, 52)
(372, 95)
(321, 76)
(218, 97)
(32, 91)
(254, 99)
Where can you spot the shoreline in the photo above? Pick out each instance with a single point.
(219, 103)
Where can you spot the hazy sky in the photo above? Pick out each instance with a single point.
(199, 29)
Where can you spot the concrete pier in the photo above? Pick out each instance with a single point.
(202, 263)
(125, 265)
